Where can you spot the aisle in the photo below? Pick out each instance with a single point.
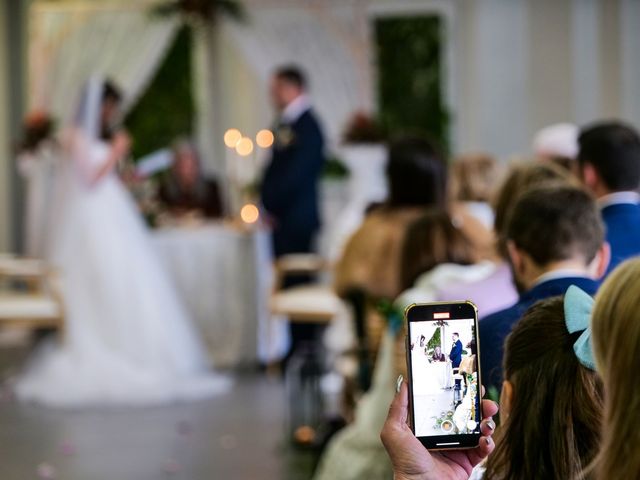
(238, 435)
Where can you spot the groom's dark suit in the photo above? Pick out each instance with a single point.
(290, 185)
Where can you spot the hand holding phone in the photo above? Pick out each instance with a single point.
(444, 378)
(412, 461)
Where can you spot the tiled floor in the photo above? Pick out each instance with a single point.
(235, 436)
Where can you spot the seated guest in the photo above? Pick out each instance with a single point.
(558, 144)
(489, 284)
(616, 344)
(609, 161)
(417, 178)
(547, 379)
(430, 241)
(555, 238)
(185, 190)
(370, 266)
(358, 445)
(433, 245)
(473, 180)
(437, 355)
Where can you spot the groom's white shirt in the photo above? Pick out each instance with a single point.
(296, 109)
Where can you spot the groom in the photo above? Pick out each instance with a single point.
(290, 185)
(456, 355)
(289, 188)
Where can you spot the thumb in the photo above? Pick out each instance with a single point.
(399, 409)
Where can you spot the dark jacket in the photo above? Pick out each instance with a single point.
(204, 197)
(495, 328)
(623, 231)
(289, 190)
(438, 358)
(456, 354)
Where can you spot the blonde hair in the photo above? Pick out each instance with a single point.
(474, 177)
(616, 343)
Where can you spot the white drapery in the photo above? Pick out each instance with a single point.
(69, 41)
(330, 41)
(325, 42)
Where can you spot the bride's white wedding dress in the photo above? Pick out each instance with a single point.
(128, 340)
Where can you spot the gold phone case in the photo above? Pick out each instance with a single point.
(408, 361)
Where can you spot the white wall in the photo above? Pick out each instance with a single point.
(523, 64)
(512, 66)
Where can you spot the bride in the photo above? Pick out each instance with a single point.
(128, 340)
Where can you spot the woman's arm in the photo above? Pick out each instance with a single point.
(120, 146)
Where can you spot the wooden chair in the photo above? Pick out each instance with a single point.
(312, 303)
(308, 303)
(35, 307)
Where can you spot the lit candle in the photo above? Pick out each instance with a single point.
(231, 139)
(245, 148)
(249, 213)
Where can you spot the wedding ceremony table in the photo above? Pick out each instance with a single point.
(224, 276)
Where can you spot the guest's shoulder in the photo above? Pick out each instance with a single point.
(620, 210)
(499, 320)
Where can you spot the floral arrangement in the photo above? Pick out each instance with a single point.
(37, 127)
(445, 422)
(363, 128)
(201, 9)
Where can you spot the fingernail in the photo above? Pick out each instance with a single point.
(399, 383)
(487, 441)
(491, 424)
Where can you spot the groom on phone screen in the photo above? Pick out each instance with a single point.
(456, 354)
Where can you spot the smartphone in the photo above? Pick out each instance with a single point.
(443, 358)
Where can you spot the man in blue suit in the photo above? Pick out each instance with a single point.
(609, 160)
(455, 355)
(290, 185)
(456, 351)
(555, 238)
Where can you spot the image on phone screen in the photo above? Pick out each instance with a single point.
(444, 376)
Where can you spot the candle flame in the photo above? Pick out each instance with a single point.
(249, 213)
(232, 137)
(264, 138)
(244, 147)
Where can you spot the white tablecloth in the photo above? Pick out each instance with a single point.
(224, 277)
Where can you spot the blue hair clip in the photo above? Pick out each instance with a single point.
(577, 315)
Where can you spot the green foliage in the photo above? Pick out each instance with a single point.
(436, 339)
(335, 169)
(393, 314)
(410, 71)
(166, 110)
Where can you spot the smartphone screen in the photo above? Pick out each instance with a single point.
(443, 359)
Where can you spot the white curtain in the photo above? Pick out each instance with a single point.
(326, 41)
(329, 40)
(70, 41)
